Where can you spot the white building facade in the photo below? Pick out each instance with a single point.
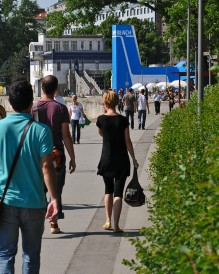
(66, 56)
(133, 10)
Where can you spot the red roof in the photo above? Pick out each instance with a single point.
(41, 14)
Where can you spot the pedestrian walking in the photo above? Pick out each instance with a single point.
(130, 105)
(171, 98)
(114, 163)
(75, 112)
(142, 106)
(24, 204)
(157, 102)
(58, 98)
(56, 116)
(120, 105)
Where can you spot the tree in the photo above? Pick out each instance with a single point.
(177, 26)
(15, 67)
(83, 12)
(152, 47)
(17, 29)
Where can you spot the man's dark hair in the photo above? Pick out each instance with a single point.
(21, 95)
(49, 84)
(131, 90)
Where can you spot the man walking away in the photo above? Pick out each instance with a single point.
(130, 105)
(56, 116)
(142, 105)
(24, 205)
(157, 102)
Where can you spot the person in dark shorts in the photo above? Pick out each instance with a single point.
(114, 164)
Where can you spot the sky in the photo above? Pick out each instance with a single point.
(46, 3)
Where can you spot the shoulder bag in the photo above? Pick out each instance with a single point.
(134, 194)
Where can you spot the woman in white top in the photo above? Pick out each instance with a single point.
(75, 111)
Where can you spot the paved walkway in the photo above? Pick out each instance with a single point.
(84, 247)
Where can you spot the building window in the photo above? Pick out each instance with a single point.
(48, 45)
(90, 45)
(57, 45)
(127, 12)
(73, 45)
(82, 45)
(98, 45)
(58, 65)
(65, 45)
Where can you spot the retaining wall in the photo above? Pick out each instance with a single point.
(92, 105)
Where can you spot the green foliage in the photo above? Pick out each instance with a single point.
(107, 78)
(17, 30)
(152, 48)
(83, 12)
(177, 25)
(184, 237)
(215, 70)
(16, 67)
(174, 13)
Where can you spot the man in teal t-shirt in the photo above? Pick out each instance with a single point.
(24, 206)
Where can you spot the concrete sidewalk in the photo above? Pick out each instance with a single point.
(84, 247)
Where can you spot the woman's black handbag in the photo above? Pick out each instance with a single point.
(134, 195)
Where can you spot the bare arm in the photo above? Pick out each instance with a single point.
(66, 136)
(130, 147)
(82, 111)
(147, 106)
(100, 132)
(49, 176)
(70, 112)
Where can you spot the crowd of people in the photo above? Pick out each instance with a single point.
(34, 191)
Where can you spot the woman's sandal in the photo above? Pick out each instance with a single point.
(117, 229)
(107, 226)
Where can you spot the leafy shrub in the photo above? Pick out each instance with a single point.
(184, 209)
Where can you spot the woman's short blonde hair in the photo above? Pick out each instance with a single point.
(110, 99)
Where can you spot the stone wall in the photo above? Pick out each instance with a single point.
(92, 105)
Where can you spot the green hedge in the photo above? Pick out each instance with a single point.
(184, 209)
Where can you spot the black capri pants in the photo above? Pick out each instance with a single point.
(114, 185)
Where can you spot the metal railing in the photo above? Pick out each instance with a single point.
(81, 85)
(93, 82)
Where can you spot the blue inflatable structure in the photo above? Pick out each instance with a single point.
(126, 62)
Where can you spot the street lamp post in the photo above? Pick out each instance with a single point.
(188, 53)
(200, 55)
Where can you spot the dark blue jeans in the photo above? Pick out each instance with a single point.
(31, 223)
(75, 128)
(130, 113)
(142, 113)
